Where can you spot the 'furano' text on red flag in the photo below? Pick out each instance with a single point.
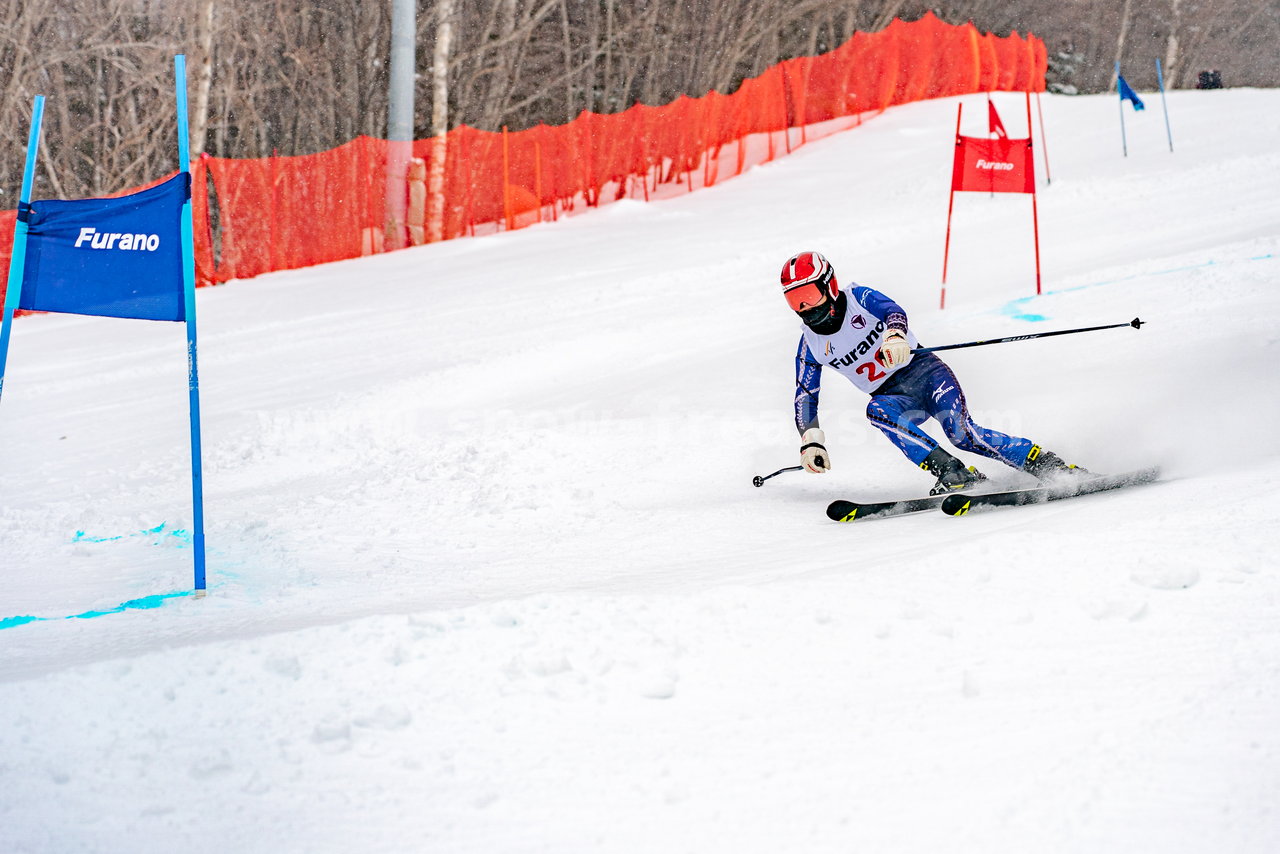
(993, 166)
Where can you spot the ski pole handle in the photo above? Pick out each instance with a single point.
(1135, 323)
(759, 480)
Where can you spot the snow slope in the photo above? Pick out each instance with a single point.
(487, 572)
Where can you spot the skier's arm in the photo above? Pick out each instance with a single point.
(894, 348)
(813, 451)
(808, 383)
(881, 306)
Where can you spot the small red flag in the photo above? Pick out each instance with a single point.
(994, 125)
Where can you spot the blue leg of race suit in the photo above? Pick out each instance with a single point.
(925, 389)
(899, 416)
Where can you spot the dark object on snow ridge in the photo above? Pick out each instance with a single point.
(1210, 80)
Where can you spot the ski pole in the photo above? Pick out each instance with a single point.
(759, 480)
(1135, 323)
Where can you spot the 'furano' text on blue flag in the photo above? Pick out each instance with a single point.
(118, 257)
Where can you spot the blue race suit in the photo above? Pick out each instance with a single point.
(923, 389)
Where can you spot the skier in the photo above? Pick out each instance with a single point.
(863, 335)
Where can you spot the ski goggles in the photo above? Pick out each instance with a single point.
(804, 295)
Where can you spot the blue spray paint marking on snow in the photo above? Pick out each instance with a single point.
(142, 604)
(1015, 308)
(182, 536)
(177, 537)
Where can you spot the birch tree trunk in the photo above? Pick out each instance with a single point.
(204, 77)
(1120, 40)
(439, 121)
(1171, 57)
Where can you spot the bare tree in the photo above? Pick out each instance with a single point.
(204, 75)
(1171, 56)
(439, 120)
(1120, 39)
(301, 76)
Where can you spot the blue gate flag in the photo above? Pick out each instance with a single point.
(1127, 94)
(131, 256)
(118, 257)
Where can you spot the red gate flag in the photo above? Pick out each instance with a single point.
(993, 166)
(999, 165)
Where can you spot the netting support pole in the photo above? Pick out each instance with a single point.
(506, 181)
(400, 120)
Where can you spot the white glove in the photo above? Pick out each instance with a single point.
(895, 348)
(813, 451)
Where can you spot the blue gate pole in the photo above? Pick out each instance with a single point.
(189, 296)
(1164, 104)
(1123, 142)
(18, 259)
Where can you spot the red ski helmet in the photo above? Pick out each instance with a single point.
(808, 280)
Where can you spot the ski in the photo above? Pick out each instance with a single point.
(959, 505)
(852, 511)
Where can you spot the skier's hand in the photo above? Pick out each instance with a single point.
(895, 348)
(813, 451)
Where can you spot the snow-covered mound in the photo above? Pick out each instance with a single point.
(487, 571)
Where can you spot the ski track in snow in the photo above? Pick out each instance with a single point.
(487, 573)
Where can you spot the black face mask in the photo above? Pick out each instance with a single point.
(825, 318)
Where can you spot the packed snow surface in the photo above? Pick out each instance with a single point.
(487, 572)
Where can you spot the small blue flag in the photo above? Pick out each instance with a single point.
(1127, 94)
(118, 257)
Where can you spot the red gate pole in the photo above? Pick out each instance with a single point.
(1035, 217)
(1035, 227)
(946, 250)
(942, 302)
(1044, 143)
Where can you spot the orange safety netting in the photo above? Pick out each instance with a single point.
(285, 212)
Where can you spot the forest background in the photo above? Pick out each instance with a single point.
(301, 76)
